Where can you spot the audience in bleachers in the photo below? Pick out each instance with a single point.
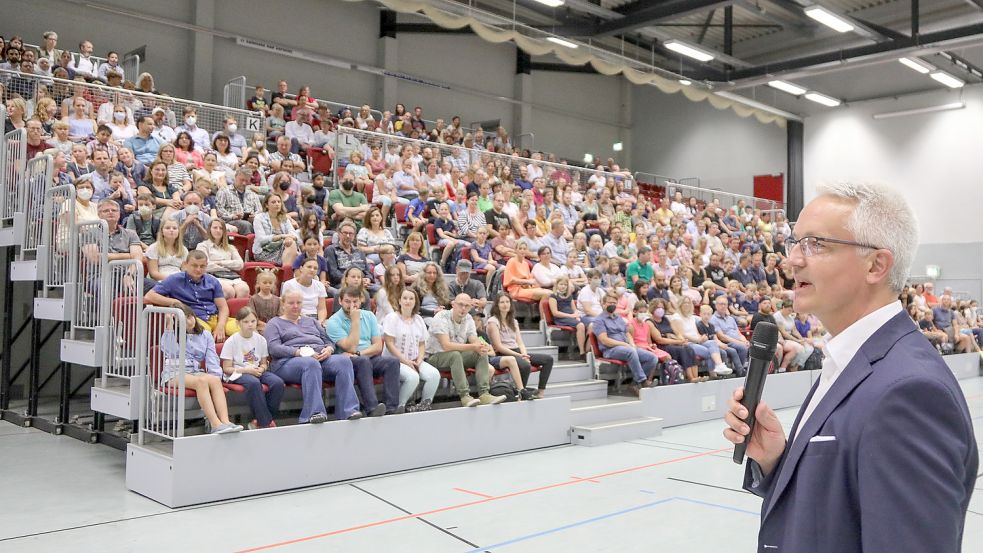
(368, 219)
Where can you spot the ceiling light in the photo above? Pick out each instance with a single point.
(918, 65)
(688, 50)
(561, 42)
(793, 89)
(822, 99)
(947, 79)
(829, 19)
(551, 3)
(917, 111)
(685, 82)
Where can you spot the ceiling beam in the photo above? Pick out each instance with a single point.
(430, 28)
(841, 56)
(645, 12)
(705, 27)
(976, 3)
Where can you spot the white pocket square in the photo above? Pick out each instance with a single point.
(822, 439)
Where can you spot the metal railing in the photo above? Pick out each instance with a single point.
(125, 299)
(93, 263)
(37, 179)
(131, 67)
(161, 353)
(209, 116)
(58, 252)
(234, 93)
(13, 163)
(690, 187)
(348, 140)
(334, 107)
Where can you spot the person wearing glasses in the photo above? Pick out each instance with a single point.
(344, 254)
(885, 434)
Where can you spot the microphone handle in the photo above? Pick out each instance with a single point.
(754, 385)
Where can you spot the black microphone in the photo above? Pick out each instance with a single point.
(764, 341)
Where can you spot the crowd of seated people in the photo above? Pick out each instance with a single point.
(636, 276)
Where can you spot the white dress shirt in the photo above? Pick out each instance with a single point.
(841, 349)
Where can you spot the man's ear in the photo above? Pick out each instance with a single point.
(879, 266)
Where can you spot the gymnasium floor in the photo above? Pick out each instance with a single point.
(679, 492)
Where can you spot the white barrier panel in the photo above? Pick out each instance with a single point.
(234, 93)
(87, 337)
(964, 365)
(57, 256)
(13, 164)
(30, 212)
(340, 450)
(161, 352)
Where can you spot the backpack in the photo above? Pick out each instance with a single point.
(671, 373)
(814, 362)
(502, 385)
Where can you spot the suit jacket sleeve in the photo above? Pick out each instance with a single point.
(757, 483)
(912, 456)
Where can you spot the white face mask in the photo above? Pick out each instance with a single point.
(233, 127)
(191, 210)
(190, 120)
(119, 117)
(84, 194)
(145, 211)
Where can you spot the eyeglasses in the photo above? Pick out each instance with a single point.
(812, 245)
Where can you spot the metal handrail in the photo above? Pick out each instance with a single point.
(161, 406)
(92, 263)
(124, 304)
(13, 164)
(37, 178)
(58, 253)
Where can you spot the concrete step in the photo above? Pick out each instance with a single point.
(564, 372)
(552, 351)
(533, 338)
(615, 431)
(579, 390)
(609, 409)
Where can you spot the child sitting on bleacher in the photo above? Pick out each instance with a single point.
(202, 371)
(387, 259)
(447, 238)
(246, 362)
(265, 303)
(312, 250)
(417, 210)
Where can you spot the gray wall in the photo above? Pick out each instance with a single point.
(961, 264)
(676, 137)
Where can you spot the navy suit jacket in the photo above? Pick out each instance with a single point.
(899, 474)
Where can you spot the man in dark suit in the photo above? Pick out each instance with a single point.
(882, 456)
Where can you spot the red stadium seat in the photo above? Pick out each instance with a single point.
(369, 188)
(243, 243)
(431, 235)
(235, 304)
(251, 268)
(321, 161)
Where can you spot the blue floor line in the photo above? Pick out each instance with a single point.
(585, 522)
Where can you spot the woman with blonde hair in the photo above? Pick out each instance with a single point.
(166, 256)
(224, 260)
(46, 112)
(433, 291)
(373, 234)
(177, 174)
(276, 239)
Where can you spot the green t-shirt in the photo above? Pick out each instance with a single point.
(645, 273)
(336, 196)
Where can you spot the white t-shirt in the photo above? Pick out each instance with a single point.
(245, 352)
(687, 325)
(408, 336)
(311, 294)
(590, 301)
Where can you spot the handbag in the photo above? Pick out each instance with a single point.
(226, 274)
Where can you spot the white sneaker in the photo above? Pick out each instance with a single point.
(722, 370)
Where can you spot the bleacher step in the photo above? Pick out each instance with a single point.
(120, 400)
(552, 351)
(533, 338)
(24, 271)
(609, 409)
(564, 372)
(579, 390)
(616, 431)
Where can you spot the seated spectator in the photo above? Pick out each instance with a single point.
(258, 101)
(35, 144)
(178, 175)
(356, 332)
(346, 203)
(615, 343)
(482, 257)
(545, 271)
(405, 336)
(246, 362)
(343, 254)
(930, 299)
(565, 312)
(203, 374)
(353, 278)
(122, 125)
(186, 153)
(166, 256)
(299, 132)
(944, 318)
(111, 65)
(312, 290)
(934, 334)
(60, 138)
(788, 350)
(518, 279)
(236, 141)
(447, 237)
(386, 299)
(574, 272)
(433, 291)
(237, 205)
(706, 329)
(224, 260)
(454, 344)
(265, 303)
(85, 208)
(226, 160)
(199, 291)
(193, 220)
(642, 331)
(162, 131)
(464, 284)
(373, 234)
(506, 340)
(276, 239)
(557, 243)
(302, 353)
(728, 333)
(414, 257)
(198, 135)
(312, 250)
(666, 337)
(275, 123)
(785, 320)
(143, 222)
(356, 171)
(134, 171)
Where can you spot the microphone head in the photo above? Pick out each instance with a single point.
(764, 341)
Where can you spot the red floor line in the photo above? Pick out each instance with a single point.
(472, 493)
(478, 502)
(585, 479)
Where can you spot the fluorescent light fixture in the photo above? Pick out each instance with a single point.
(918, 65)
(917, 111)
(685, 49)
(561, 42)
(618, 146)
(685, 82)
(933, 271)
(551, 3)
(784, 86)
(588, 158)
(829, 19)
(947, 79)
(822, 99)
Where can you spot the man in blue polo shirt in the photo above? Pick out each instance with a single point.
(356, 332)
(727, 331)
(143, 144)
(616, 343)
(198, 290)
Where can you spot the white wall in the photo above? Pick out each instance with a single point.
(675, 137)
(933, 159)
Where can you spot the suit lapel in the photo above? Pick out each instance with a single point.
(859, 368)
